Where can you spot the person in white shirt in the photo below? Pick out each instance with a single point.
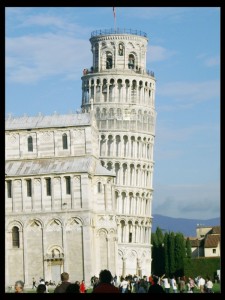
(174, 284)
(201, 284)
(208, 285)
(123, 285)
(166, 285)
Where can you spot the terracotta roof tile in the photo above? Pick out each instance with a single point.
(215, 230)
(211, 241)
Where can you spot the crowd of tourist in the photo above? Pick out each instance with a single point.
(106, 283)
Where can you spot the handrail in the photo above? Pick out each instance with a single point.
(118, 31)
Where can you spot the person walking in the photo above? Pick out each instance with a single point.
(82, 287)
(73, 288)
(41, 289)
(208, 285)
(105, 283)
(64, 283)
(155, 287)
(166, 284)
(174, 284)
(33, 283)
(19, 287)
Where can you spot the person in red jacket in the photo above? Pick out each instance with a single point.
(105, 285)
(82, 287)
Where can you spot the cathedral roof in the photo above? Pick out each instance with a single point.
(41, 121)
(56, 166)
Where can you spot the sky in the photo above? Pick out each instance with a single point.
(47, 49)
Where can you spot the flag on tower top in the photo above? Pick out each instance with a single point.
(114, 12)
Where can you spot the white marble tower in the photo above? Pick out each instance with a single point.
(122, 94)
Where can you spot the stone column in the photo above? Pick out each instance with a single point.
(106, 144)
(116, 255)
(139, 233)
(42, 193)
(52, 193)
(151, 179)
(64, 244)
(136, 233)
(107, 94)
(94, 96)
(108, 258)
(119, 175)
(138, 267)
(129, 93)
(126, 206)
(142, 93)
(119, 232)
(61, 190)
(23, 193)
(44, 252)
(105, 196)
(87, 253)
(126, 233)
(115, 98)
(128, 174)
(113, 145)
(13, 198)
(25, 267)
(124, 267)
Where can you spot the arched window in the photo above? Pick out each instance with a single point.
(122, 238)
(15, 237)
(108, 60)
(120, 49)
(131, 61)
(68, 185)
(64, 141)
(99, 187)
(30, 144)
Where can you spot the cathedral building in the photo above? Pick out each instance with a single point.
(79, 187)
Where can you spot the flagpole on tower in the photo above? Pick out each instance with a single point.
(114, 15)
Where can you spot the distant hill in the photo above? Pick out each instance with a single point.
(185, 226)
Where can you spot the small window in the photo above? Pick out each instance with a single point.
(120, 52)
(64, 141)
(68, 185)
(99, 187)
(109, 60)
(15, 237)
(48, 186)
(30, 144)
(130, 237)
(29, 192)
(9, 188)
(131, 61)
(214, 251)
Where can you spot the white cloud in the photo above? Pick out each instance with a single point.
(209, 61)
(176, 14)
(55, 22)
(212, 61)
(30, 58)
(173, 134)
(187, 94)
(187, 201)
(158, 53)
(43, 20)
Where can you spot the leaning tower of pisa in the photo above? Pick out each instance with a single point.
(122, 94)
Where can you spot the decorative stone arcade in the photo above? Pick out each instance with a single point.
(122, 93)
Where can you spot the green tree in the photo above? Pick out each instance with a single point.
(160, 235)
(179, 254)
(171, 250)
(157, 252)
(188, 248)
(166, 254)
